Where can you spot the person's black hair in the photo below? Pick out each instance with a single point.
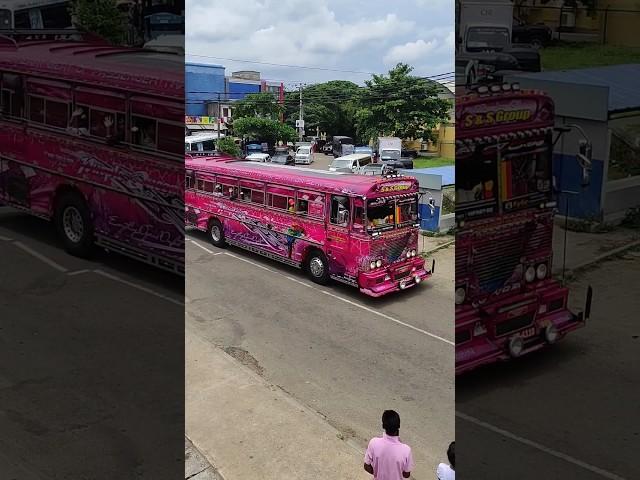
(391, 422)
(451, 454)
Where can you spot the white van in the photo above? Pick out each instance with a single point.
(304, 155)
(350, 163)
(201, 142)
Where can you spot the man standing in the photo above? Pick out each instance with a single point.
(387, 458)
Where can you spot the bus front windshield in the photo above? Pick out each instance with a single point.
(390, 213)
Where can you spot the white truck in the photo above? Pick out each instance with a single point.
(389, 152)
(484, 25)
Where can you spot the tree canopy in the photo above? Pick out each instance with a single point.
(100, 17)
(262, 104)
(400, 105)
(263, 129)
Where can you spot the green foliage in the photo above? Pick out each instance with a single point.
(264, 129)
(400, 105)
(100, 17)
(330, 106)
(262, 104)
(228, 145)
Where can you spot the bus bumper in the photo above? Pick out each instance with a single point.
(394, 278)
(474, 351)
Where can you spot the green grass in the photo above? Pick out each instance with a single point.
(422, 162)
(582, 55)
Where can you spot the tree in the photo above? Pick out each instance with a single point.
(228, 145)
(262, 104)
(329, 106)
(100, 17)
(263, 129)
(400, 105)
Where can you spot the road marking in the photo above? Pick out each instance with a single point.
(41, 257)
(6, 239)
(542, 448)
(205, 248)
(139, 287)
(78, 272)
(346, 300)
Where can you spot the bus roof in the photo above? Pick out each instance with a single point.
(98, 64)
(300, 177)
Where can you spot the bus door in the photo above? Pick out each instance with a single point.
(338, 238)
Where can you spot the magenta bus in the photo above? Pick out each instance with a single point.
(356, 229)
(85, 141)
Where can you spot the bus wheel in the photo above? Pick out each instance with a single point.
(216, 233)
(74, 224)
(318, 267)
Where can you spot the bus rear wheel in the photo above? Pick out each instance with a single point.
(216, 233)
(317, 267)
(74, 225)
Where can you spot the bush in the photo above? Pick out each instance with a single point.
(228, 145)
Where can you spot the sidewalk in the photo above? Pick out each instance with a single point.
(427, 244)
(196, 467)
(584, 249)
(250, 429)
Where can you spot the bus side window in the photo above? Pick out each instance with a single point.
(339, 210)
(12, 95)
(143, 131)
(36, 109)
(188, 181)
(358, 214)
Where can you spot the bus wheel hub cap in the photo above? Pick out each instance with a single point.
(316, 266)
(215, 234)
(73, 224)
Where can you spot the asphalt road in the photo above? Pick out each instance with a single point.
(91, 362)
(342, 354)
(570, 411)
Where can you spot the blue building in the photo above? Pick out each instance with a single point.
(433, 182)
(203, 83)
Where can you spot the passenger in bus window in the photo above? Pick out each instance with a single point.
(78, 123)
(292, 206)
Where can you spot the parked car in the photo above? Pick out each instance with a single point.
(258, 157)
(304, 155)
(327, 149)
(351, 163)
(283, 158)
(376, 169)
(537, 35)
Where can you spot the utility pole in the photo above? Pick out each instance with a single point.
(219, 115)
(301, 128)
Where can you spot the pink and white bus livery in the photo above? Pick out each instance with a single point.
(356, 229)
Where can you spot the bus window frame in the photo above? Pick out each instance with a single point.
(330, 219)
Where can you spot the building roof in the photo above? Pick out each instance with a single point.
(621, 80)
(448, 173)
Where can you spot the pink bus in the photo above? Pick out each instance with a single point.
(356, 229)
(85, 141)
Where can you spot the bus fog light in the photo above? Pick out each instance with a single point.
(530, 274)
(460, 295)
(372, 265)
(378, 263)
(418, 279)
(479, 329)
(551, 333)
(516, 345)
(541, 271)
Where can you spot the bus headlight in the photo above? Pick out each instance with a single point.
(551, 333)
(413, 253)
(372, 265)
(541, 271)
(417, 279)
(378, 263)
(460, 295)
(530, 274)
(409, 254)
(516, 345)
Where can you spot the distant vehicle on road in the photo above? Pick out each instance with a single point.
(283, 158)
(390, 152)
(538, 35)
(356, 229)
(258, 157)
(341, 146)
(350, 163)
(364, 149)
(304, 155)
(201, 143)
(376, 169)
(327, 149)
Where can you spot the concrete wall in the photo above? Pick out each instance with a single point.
(207, 81)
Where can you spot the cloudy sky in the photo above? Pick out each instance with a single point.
(354, 35)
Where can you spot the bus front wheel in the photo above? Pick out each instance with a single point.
(318, 267)
(216, 233)
(74, 224)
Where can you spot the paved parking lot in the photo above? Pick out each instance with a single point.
(340, 353)
(569, 411)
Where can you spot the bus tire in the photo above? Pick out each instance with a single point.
(317, 267)
(216, 233)
(74, 224)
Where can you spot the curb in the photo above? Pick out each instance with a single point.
(605, 256)
(439, 247)
(208, 466)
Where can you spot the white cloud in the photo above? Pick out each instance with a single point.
(410, 52)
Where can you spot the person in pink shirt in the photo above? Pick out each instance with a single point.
(387, 458)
